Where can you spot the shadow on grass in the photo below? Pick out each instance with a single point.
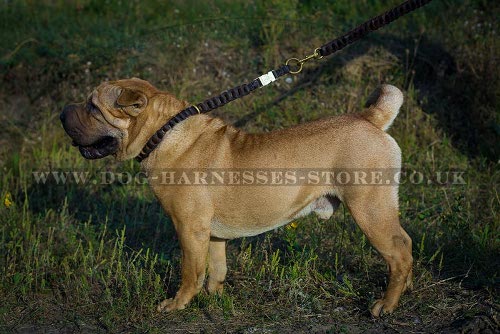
(146, 225)
(463, 105)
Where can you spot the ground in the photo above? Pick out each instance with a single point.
(97, 255)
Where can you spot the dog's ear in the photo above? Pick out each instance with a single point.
(131, 101)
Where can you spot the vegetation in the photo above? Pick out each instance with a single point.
(98, 257)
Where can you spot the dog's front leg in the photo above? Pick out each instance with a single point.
(217, 267)
(194, 237)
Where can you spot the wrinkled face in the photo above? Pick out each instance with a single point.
(100, 126)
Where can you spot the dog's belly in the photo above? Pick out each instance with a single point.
(323, 207)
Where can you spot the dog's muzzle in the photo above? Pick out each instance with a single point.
(93, 146)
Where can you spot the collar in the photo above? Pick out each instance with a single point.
(209, 105)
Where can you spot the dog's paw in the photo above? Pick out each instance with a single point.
(170, 305)
(408, 284)
(382, 307)
(215, 287)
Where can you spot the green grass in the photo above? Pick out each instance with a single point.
(95, 258)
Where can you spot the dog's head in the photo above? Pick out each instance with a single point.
(117, 118)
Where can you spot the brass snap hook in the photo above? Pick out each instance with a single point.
(297, 64)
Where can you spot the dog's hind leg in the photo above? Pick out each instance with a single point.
(217, 267)
(375, 210)
(408, 244)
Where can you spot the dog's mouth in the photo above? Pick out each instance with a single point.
(101, 148)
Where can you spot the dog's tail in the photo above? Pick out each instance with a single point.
(382, 106)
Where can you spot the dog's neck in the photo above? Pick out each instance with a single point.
(166, 107)
(182, 138)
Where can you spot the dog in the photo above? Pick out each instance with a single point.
(119, 117)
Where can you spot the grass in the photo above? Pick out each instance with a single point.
(94, 258)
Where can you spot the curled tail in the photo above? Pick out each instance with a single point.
(382, 106)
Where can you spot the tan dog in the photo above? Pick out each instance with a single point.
(119, 117)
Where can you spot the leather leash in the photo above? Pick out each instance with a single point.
(292, 66)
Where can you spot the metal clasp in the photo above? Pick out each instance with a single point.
(298, 63)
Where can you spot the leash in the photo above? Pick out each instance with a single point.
(292, 66)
